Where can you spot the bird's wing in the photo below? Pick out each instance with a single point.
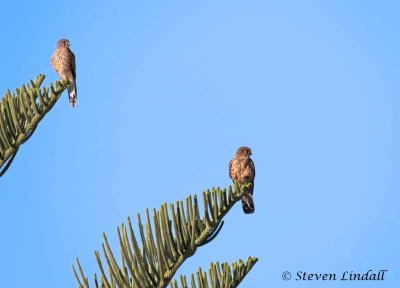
(73, 66)
(230, 168)
(53, 60)
(253, 167)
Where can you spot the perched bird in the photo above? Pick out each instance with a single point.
(241, 171)
(63, 61)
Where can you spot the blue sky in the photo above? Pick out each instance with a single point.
(168, 91)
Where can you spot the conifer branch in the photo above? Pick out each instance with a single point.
(166, 241)
(219, 276)
(21, 112)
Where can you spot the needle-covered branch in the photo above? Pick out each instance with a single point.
(218, 276)
(166, 241)
(21, 112)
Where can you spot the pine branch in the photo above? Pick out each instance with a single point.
(21, 112)
(219, 276)
(166, 245)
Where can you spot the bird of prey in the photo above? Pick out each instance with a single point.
(241, 171)
(63, 61)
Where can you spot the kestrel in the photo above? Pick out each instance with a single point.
(241, 171)
(63, 61)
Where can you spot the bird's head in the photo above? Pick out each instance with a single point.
(63, 43)
(244, 151)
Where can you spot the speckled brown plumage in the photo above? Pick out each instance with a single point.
(241, 171)
(63, 61)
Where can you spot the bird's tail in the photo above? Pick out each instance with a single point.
(247, 200)
(72, 94)
(248, 204)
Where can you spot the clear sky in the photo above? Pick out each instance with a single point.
(167, 91)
